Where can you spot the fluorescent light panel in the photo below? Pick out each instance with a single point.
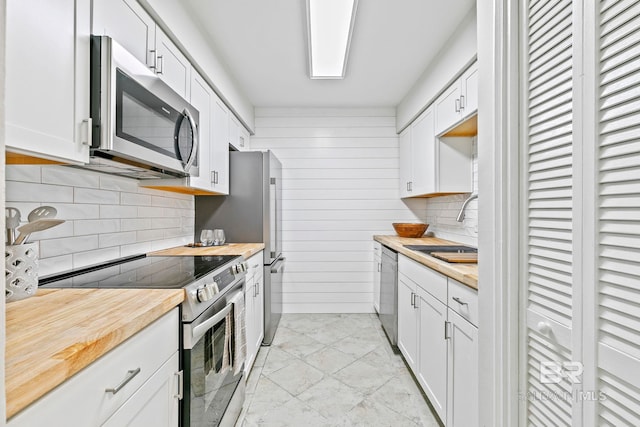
(329, 25)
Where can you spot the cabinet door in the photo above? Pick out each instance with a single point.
(47, 78)
(249, 319)
(407, 322)
(155, 403)
(234, 131)
(171, 65)
(462, 373)
(201, 99)
(405, 162)
(447, 108)
(220, 147)
(244, 139)
(377, 266)
(432, 363)
(423, 156)
(469, 91)
(128, 24)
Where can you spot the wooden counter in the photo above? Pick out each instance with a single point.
(56, 333)
(463, 273)
(244, 249)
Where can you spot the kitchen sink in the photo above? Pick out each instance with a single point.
(433, 248)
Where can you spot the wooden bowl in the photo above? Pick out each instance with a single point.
(406, 229)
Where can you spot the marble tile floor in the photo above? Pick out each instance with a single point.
(332, 370)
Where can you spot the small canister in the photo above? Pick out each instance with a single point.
(21, 271)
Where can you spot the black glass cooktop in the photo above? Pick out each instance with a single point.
(154, 272)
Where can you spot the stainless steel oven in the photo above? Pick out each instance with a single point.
(214, 384)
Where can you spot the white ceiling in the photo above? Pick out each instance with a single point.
(264, 46)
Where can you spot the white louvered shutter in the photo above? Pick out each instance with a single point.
(618, 286)
(548, 175)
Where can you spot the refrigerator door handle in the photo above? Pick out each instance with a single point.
(278, 265)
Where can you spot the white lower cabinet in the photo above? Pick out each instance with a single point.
(137, 384)
(462, 372)
(254, 308)
(438, 340)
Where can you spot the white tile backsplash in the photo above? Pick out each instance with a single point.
(106, 216)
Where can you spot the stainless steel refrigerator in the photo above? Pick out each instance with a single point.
(251, 213)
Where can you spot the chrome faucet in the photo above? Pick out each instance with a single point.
(464, 206)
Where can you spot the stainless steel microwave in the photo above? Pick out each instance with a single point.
(141, 128)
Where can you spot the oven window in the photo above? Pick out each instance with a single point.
(212, 382)
(143, 118)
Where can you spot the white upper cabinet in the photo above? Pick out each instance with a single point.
(219, 152)
(244, 140)
(132, 27)
(458, 102)
(127, 23)
(234, 131)
(47, 79)
(431, 166)
(202, 100)
(171, 65)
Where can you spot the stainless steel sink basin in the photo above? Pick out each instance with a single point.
(428, 249)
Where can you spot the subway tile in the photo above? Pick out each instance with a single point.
(23, 173)
(170, 233)
(104, 197)
(148, 235)
(150, 212)
(116, 239)
(118, 211)
(135, 224)
(69, 211)
(41, 193)
(166, 222)
(116, 183)
(55, 265)
(57, 247)
(90, 226)
(136, 249)
(83, 259)
(63, 230)
(135, 199)
(169, 243)
(164, 202)
(64, 175)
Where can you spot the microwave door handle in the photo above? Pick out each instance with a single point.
(194, 149)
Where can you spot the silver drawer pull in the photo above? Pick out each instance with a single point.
(180, 375)
(459, 301)
(130, 375)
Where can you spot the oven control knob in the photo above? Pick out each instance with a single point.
(207, 292)
(239, 268)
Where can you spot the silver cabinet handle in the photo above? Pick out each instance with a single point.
(379, 267)
(457, 105)
(160, 64)
(462, 102)
(129, 377)
(155, 59)
(213, 177)
(413, 300)
(88, 140)
(410, 185)
(180, 375)
(446, 330)
(459, 301)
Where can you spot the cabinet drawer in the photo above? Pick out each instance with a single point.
(464, 301)
(83, 401)
(429, 280)
(377, 249)
(255, 263)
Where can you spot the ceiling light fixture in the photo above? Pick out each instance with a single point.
(329, 28)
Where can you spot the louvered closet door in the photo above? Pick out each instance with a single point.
(548, 243)
(618, 346)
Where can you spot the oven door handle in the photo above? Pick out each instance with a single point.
(202, 328)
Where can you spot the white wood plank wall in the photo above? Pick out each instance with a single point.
(340, 187)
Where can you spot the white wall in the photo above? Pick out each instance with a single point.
(106, 216)
(441, 213)
(340, 187)
(176, 21)
(456, 55)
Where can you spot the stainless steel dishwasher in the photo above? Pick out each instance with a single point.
(389, 295)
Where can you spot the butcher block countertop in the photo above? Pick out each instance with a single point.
(244, 249)
(463, 273)
(56, 333)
